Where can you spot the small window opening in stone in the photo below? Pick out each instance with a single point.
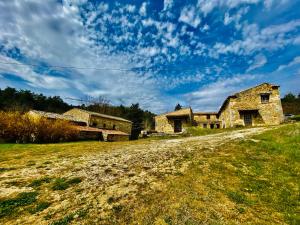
(94, 124)
(218, 126)
(211, 126)
(217, 116)
(204, 125)
(208, 117)
(114, 127)
(265, 98)
(104, 125)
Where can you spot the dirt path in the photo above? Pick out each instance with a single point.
(113, 177)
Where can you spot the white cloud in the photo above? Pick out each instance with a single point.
(259, 61)
(295, 61)
(227, 19)
(211, 96)
(130, 8)
(168, 4)
(270, 38)
(33, 79)
(55, 34)
(143, 9)
(206, 6)
(189, 15)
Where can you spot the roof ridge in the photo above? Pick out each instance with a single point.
(104, 115)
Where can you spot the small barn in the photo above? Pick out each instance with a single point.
(174, 122)
(101, 121)
(92, 125)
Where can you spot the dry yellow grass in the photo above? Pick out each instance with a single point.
(224, 178)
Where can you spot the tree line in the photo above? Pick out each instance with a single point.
(291, 104)
(12, 99)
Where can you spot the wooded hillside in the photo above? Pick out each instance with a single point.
(12, 99)
(291, 104)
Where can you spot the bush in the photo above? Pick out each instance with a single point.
(22, 128)
(296, 118)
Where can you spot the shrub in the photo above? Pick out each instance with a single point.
(9, 206)
(22, 128)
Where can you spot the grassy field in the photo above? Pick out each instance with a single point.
(254, 181)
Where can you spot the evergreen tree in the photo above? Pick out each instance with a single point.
(178, 107)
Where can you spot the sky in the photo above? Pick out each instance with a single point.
(157, 52)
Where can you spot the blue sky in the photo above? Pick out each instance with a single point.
(157, 53)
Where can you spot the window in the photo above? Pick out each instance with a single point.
(217, 116)
(94, 124)
(265, 98)
(218, 126)
(211, 126)
(104, 125)
(204, 125)
(114, 127)
(208, 117)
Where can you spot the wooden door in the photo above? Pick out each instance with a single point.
(248, 119)
(177, 126)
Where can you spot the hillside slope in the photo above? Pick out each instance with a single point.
(230, 177)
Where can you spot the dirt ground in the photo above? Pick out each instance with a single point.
(109, 177)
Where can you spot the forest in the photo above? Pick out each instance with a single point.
(12, 99)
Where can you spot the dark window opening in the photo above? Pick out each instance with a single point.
(204, 125)
(211, 126)
(208, 117)
(114, 127)
(265, 98)
(218, 126)
(104, 125)
(217, 116)
(94, 124)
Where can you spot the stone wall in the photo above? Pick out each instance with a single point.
(165, 125)
(100, 122)
(269, 113)
(203, 121)
(111, 124)
(115, 137)
(77, 113)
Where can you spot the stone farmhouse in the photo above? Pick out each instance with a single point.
(92, 125)
(256, 106)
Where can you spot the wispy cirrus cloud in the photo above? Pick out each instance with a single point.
(163, 51)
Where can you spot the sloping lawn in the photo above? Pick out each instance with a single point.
(252, 181)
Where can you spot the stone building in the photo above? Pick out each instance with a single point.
(174, 122)
(256, 106)
(92, 125)
(207, 119)
(113, 128)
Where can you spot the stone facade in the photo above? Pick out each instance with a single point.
(101, 121)
(166, 123)
(256, 106)
(207, 120)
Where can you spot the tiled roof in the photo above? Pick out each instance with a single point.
(104, 115)
(180, 112)
(52, 115)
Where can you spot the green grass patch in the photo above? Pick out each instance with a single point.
(10, 206)
(38, 182)
(63, 183)
(238, 197)
(81, 213)
(40, 207)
